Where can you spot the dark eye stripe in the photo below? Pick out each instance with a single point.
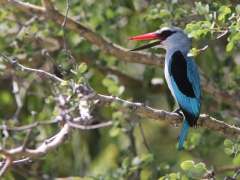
(165, 34)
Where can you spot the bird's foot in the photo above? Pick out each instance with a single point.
(178, 112)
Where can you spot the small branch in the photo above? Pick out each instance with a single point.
(41, 150)
(65, 49)
(23, 68)
(89, 127)
(29, 126)
(17, 162)
(26, 138)
(225, 169)
(218, 37)
(237, 172)
(17, 96)
(6, 165)
(5, 133)
(144, 138)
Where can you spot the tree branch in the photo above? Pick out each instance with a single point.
(143, 110)
(114, 50)
(41, 150)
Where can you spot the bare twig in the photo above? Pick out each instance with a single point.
(46, 54)
(17, 96)
(41, 150)
(26, 138)
(5, 133)
(64, 33)
(5, 167)
(29, 126)
(17, 162)
(144, 138)
(225, 169)
(89, 127)
(218, 37)
(23, 68)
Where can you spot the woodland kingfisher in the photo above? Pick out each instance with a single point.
(180, 71)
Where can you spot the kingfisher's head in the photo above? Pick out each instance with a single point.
(168, 37)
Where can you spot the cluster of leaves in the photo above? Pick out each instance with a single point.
(233, 148)
(193, 171)
(167, 14)
(125, 171)
(216, 22)
(111, 83)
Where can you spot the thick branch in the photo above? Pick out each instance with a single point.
(173, 118)
(41, 150)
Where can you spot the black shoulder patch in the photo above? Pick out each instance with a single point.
(179, 73)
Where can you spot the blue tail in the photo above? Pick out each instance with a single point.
(183, 134)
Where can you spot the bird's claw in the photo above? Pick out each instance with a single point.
(177, 111)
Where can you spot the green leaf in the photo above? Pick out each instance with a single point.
(228, 142)
(221, 16)
(208, 17)
(5, 97)
(114, 90)
(195, 138)
(164, 14)
(233, 30)
(225, 10)
(238, 8)
(126, 163)
(121, 90)
(236, 161)
(80, 80)
(110, 80)
(148, 158)
(207, 8)
(179, 175)
(200, 9)
(82, 68)
(117, 104)
(229, 46)
(187, 165)
(238, 140)
(64, 83)
(107, 82)
(173, 176)
(117, 114)
(114, 131)
(187, 30)
(200, 166)
(49, 99)
(196, 27)
(228, 151)
(185, 177)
